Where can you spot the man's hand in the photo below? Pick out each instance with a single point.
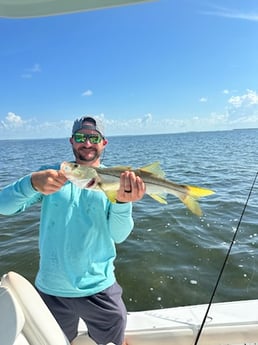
(132, 187)
(48, 181)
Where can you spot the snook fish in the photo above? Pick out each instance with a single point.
(108, 179)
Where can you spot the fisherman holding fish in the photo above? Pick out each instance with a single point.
(79, 229)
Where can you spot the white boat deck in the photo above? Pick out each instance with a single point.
(231, 323)
(25, 320)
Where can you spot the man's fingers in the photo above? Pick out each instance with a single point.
(132, 187)
(47, 181)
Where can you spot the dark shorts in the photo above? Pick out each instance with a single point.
(104, 314)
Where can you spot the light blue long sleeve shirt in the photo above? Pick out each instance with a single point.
(77, 235)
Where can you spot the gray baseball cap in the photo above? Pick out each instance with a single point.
(88, 122)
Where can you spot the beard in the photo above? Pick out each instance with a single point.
(86, 155)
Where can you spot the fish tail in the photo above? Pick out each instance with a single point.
(198, 192)
(193, 193)
(192, 204)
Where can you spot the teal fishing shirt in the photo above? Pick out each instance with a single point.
(78, 232)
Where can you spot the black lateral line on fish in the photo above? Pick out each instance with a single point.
(158, 181)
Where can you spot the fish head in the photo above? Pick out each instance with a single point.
(81, 175)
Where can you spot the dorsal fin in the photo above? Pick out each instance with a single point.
(154, 169)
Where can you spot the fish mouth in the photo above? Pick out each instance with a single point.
(91, 183)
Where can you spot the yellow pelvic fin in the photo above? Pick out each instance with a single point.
(159, 198)
(111, 195)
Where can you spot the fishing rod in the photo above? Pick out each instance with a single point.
(225, 262)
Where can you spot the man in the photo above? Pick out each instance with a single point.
(78, 232)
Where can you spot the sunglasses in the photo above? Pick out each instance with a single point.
(82, 138)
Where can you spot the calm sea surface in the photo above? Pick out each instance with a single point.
(172, 257)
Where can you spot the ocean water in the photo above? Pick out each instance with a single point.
(172, 257)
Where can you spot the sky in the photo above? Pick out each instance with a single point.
(165, 66)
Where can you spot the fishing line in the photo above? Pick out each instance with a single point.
(103, 155)
(225, 262)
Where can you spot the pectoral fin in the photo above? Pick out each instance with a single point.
(111, 195)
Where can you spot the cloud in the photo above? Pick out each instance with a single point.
(149, 124)
(28, 73)
(26, 76)
(240, 111)
(12, 121)
(146, 119)
(35, 69)
(203, 100)
(247, 100)
(232, 14)
(243, 110)
(13, 126)
(87, 93)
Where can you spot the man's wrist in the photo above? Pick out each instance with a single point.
(120, 202)
(33, 184)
